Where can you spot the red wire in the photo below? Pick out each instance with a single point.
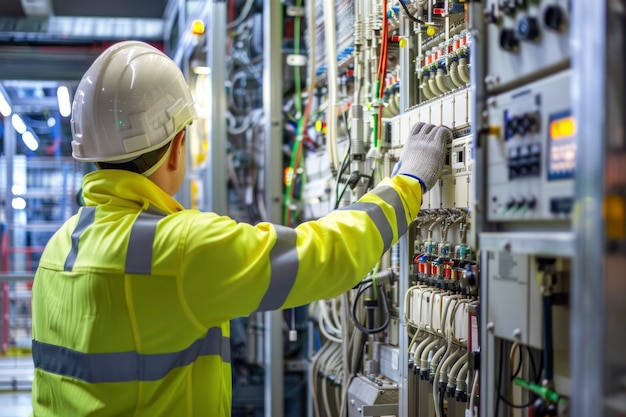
(383, 49)
(382, 66)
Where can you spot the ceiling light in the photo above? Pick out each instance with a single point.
(17, 189)
(63, 95)
(30, 141)
(18, 203)
(202, 70)
(18, 123)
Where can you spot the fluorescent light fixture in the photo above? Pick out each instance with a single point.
(18, 203)
(5, 107)
(30, 141)
(202, 70)
(18, 123)
(63, 95)
(17, 189)
(51, 122)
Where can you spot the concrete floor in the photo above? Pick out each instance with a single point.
(16, 379)
(15, 404)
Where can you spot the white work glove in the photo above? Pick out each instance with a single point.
(423, 153)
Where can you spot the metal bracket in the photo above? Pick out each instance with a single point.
(294, 60)
(379, 410)
(296, 11)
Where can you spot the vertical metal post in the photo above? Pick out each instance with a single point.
(184, 193)
(215, 176)
(408, 85)
(272, 104)
(403, 340)
(478, 58)
(406, 97)
(10, 139)
(588, 319)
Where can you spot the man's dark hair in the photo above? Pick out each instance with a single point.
(140, 164)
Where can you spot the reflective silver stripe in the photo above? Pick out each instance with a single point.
(284, 265)
(85, 219)
(126, 366)
(140, 243)
(378, 217)
(392, 197)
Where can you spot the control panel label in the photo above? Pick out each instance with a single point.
(562, 146)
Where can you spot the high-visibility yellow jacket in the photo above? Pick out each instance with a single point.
(133, 295)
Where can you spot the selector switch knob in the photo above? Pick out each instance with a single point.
(512, 127)
(510, 203)
(532, 202)
(530, 122)
(528, 28)
(554, 18)
(508, 40)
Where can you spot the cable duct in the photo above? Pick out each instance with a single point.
(331, 108)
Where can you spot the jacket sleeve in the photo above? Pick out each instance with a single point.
(232, 269)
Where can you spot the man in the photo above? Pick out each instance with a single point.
(133, 295)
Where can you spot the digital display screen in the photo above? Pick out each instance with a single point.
(562, 144)
(563, 128)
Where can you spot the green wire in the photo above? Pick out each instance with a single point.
(375, 114)
(299, 125)
(374, 286)
(543, 392)
(296, 76)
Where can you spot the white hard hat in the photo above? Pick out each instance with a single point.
(132, 100)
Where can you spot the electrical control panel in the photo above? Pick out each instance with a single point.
(370, 397)
(526, 39)
(531, 161)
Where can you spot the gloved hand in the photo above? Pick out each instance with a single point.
(423, 153)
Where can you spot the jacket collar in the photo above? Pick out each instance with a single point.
(125, 189)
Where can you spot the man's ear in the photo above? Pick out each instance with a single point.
(176, 153)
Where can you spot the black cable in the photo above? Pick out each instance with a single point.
(499, 383)
(520, 406)
(344, 165)
(548, 350)
(409, 15)
(533, 365)
(359, 359)
(356, 321)
(442, 394)
(340, 196)
(519, 363)
(370, 183)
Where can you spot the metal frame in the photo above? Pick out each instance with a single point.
(403, 283)
(10, 139)
(598, 337)
(272, 91)
(597, 34)
(478, 58)
(215, 197)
